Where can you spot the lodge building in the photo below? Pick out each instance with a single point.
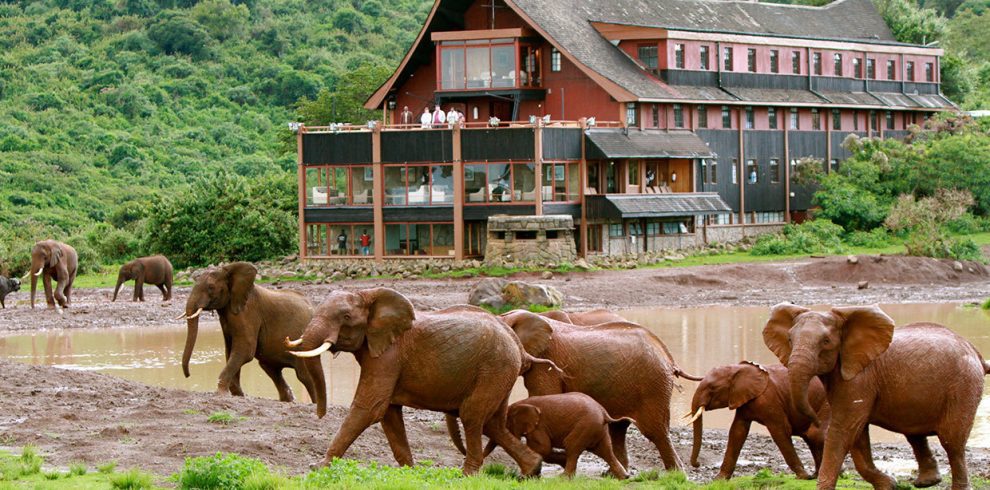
(654, 124)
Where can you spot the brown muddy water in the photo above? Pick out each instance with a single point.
(699, 338)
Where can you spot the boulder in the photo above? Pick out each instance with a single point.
(863, 285)
(957, 266)
(852, 259)
(518, 293)
(582, 264)
(488, 292)
(546, 276)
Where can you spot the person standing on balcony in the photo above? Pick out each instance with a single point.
(452, 118)
(426, 118)
(439, 117)
(407, 118)
(342, 243)
(365, 243)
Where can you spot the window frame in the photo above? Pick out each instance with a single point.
(704, 54)
(331, 241)
(816, 119)
(836, 120)
(795, 62)
(324, 171)
(702, 119)
(726, 117)
(816, 63)
(679, 56)
(727, 59)
(555, 60)
(774, 170)
(486, 195)
(678, 111)
(837, 64)
(751, 60)
(644, 59)
(772, 117)
(795, 119)
(752, 169)
(408, 240)
(750, 118)
(774, 61)
(891, 70)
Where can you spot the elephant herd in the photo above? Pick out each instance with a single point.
(56, 261)
(589, 375)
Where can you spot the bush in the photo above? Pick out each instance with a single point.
(967, 224)
(875, 238)
(810, 237)
(925, 220)
(852, 207)
(220, 472)
(131, 480)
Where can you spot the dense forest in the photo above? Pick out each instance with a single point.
(139, 126)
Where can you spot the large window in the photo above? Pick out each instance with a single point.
(324, 240)
(837, 61)
(679, 56)
(795, 122)
(929, 72)
(424, 239)
(751, 60)
(726, 117)
(499, 182)
(678, 116)
(631, 114)
(795, 62)
(419, 185)
(772, 117)
(339, 186)
(648, 55)
(750, 118)
(871, 68)
(836, 119)
(891, 69)
(702, 116)
(487, 63)
(727, 58)
(889, 116)
(857, 68)
(816, 119)
(562, 181)
(774, 61)
(817, 63)
(909, 68)
(705, 58)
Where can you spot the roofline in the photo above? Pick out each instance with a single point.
(758, 103)
(378, 97)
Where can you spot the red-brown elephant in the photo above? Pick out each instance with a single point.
(54, 260)
(763, 395)
(919, 380)
(462, 361)
(590, 317)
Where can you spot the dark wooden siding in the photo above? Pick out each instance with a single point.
(337, 148)
(561, 143)
(690, 77)
(805, 144)
(339, 215)
(497, 144)
(483, 212)
(417, 146)
(572, 209)
(725, 144)
(837, 84)
(392, 214)
(762, 146)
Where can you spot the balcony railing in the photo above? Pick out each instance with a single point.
(339, 128)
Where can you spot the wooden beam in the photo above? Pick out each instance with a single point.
(301, 176)
(378, 181)
(538, 152)
(458, 194)
(514, 32)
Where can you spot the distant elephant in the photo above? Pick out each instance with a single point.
(155, 270)
(55, 260)
(919, 380)
(461, 361)
(591, 317)
(759, 394)
(574, 422)
(8, 285)
(255, 321)
(623, 366)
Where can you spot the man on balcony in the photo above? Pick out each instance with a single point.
(407, 118)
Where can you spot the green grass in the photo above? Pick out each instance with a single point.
(132, 480)
(25, 471)
(222, 418)
(107, 468)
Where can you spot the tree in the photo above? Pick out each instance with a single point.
(222, 19)
(925, 220)
(176, 33)
(911, 24)
(346, 102)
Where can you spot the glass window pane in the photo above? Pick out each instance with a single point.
(499, 182)
(479, 70)
(573, 182)
(475, 183)
(338, 185)
(504, 66)
(395, 186)
(343, 240)
(361, 186)
(452, 68)
(443, 240)
(556, 175)
(442, 188)
(419, 239)
(316, 187)
(524, 182)
(316, 240)
(419, 184)
(395, 239)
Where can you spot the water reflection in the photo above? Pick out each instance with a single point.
(699, 338)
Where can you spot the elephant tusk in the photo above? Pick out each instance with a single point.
(180, 317)
(313, 353)
(293, 343)
(194, 315)
(39, 271)
(697, 414)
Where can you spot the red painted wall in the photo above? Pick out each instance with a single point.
(581, 96)
(478, 17)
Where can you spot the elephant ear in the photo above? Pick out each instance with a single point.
(533, 331)
(526, 417)
(389, 315)
(240, 279)
(866, 333)
(54, 257)
(558, 315)
(748, 382)
(778, 327)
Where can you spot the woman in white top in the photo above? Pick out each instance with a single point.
(426, 119)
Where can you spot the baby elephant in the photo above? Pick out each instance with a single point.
(8, 285)
(155, 270)
(759, 394)
(574, 422)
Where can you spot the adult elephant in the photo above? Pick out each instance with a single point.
(54, 260)
(758, 394)
(254, 320)
(155, 270)
(623, 366)
(920, 380)
(590, 317)
(460, 361)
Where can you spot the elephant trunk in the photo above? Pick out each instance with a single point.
(192, 330)
(801, 370)
(696, 444)
(120, 281)
(34, 285)
(314, 367)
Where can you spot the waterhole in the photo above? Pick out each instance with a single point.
(699, 339)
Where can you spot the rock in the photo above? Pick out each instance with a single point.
(852, 259)
(336, 275)
(863, 285)
(546, 276)
(957, 266)
(488, 292)
(518, 293)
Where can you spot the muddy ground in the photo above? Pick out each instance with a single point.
(78, 416)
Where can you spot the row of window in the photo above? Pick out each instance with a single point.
(709, 171)
(649, 57)
(425, 184)
(794, 121)
(653, 227)
(357, 239)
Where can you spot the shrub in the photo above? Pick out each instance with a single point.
(875, 238)
(844, 203)
(176, 33)
(131, 480)
(77, 469)
(220, 472)
(925, 220)
(815, 236)
(107, 468)
(967, 224)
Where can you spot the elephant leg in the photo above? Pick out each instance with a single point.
(862, 456)
(928, 475)
(552, 456)
(655, 426)
(164, 293)
(235, 384)
(738, 433)
(494, 427)
(67, 292)
(604, 450)
(955, 449)
(617, 432)
(138, 288)
(395, 432)
(275, 373)
(46, 280)
(371, 401)
(307, 381)
(230, 375)
(781, 434)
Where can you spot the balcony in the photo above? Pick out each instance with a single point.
(486, 61)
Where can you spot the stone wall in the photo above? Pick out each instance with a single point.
(530, 239)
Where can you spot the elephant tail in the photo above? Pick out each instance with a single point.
(986, 368)
(624, 420)
(681, 374)
(551, 366)
(454, 429)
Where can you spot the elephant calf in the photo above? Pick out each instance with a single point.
(155, 270)
(574, 422)
(759, 394)
(7, 286)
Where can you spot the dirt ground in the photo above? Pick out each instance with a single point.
(80, 416)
